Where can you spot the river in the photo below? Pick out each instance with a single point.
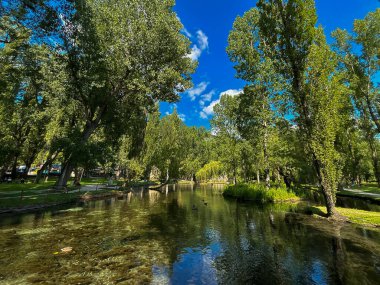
(185, 235)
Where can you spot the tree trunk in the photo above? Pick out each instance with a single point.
(288, 178)
(49, 160)
(326, 187)
(3, 171)
(375, 159)
(65, 175)
(28, 165)
(14, 168)
(235, 181)
(266, 156)
(78, 176)
(258, 176)
(330, 202)
(68, 168)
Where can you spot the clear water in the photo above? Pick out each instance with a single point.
(153, 238)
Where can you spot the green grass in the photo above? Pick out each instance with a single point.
(16, 186)
(49, 198)
(5, 188)
(355, 216)
(30, 194)
(44, 199)
(258, 192)
(91, 181)
(368, 188)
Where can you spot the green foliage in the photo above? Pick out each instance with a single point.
(358, 54)
(210, 171)
(259, 192)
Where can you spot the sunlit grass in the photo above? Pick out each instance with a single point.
(370, 187)
(354, 215)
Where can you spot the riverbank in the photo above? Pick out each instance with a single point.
(53, 199)
(29, 196)
(355, 216)
(369, 191)
(258, 193)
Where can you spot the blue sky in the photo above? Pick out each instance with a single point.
(208, 22)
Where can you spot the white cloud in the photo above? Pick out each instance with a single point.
(209, 110)
(231, 92)
(206, 97)
(202, 44)
(202, 40)
(195, 53)
(197, 90)
(182, 117)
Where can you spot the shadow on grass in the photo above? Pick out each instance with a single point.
(315, 211)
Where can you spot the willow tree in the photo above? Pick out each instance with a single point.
(300, 54)
(121, 57)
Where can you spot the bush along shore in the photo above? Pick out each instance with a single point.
(259, 193)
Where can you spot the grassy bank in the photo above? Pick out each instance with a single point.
(29, 195)
(48, 199)
(370, 187)
(29, 185)
(41, 200)
(361, 217)
(258, 192)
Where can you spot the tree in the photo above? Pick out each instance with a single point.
(211, 170)
(257, 104)
(196, 151)
(26, 93)
(224, 125)
(359, 53)
(121, 56)
(301, 55)
(165, 144)
(361, 67)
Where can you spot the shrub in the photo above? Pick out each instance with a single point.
(258, 192)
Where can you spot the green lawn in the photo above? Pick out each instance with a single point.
(368, 188)
(29, 185)
(48, 198)
(43, 199)
(355, 216)
(17, 186)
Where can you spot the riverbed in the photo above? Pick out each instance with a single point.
(185, 235)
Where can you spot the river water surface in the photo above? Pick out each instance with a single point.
(175, 238)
